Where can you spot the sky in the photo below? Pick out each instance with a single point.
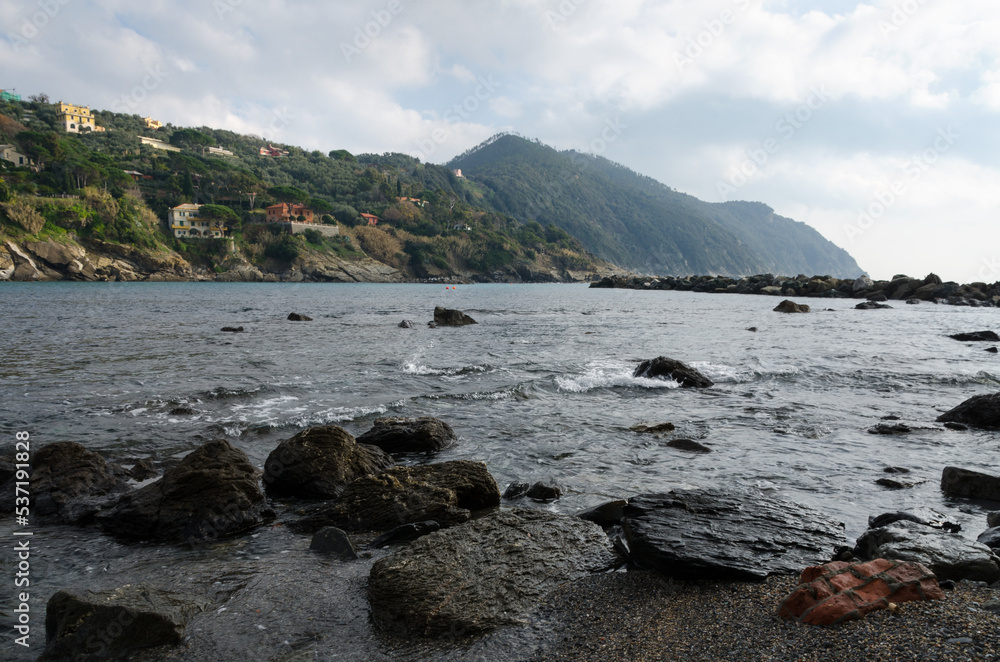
(874, 122)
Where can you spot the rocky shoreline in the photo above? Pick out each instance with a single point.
(930, 289)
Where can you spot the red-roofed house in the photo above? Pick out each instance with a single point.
(288, 213)
(371, 218)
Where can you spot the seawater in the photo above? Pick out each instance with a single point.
(541, 387)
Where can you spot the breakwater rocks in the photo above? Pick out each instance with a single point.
(900, 288)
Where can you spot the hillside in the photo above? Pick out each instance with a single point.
(639, 223)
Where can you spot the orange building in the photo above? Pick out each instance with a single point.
(289, 213)
(371, 218)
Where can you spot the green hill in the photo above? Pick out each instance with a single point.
(639, 223)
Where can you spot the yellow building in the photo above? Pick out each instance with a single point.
(76, 118)
(186, 223)
(152, 124)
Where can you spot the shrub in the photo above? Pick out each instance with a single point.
(379, 245)
(24, 214)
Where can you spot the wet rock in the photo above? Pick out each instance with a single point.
(896, 470)
(606, 514)
(409, 435)
(886, 429)
(787, 306)
(893, 484)
(483, 574)
(68, 483)
(653, 429)
(331, 540)
(142, 470)
(211, 494)
(913, 302)
(689, 445)
(960, 427)
(993, 519)
(296, 317)
(545, 490)
(232, 329)
(516, 490)
(406, 324)
(878, 297)
(752, 329)
(405, 533)
(990, 537)
(948, 555)
(839, 591)
(738, 534)
(970, 484)
(108, 624)
(448, 317)
(872, 305)
(664, 368)
(976, 336)
(182, 411)
(319, 463)
(981, 411)
(993, 350)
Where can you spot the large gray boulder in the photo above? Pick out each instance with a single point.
(970, 484)
(449, 317)
(665, 368)
(788, 306)
(733, 534)
(319, 463)
(981, 411)
(409, 435)
(108, 624)
(949, 555)
(212, 493)
(483, 574)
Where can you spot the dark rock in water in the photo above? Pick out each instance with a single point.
(913, 302)
(409, 435)
(896, 470)
(483, 574)
(331, 540)
(990, 537)
(956, 426)
(993, 350)
(993, 519)
(232, 329)
(949, 556)
(432, 325)
(663, 368)
(977, 336)
(872, 305)
(970, 484)
(295, 317)
(182, 411)
(448, 317)
(885, 519)
(737, 534)
(606, 514)
(107, 625)
(886, 429)
(319, 463)
(891, 417)
(516, 490)
(981, 411)
(652, 429)
(688, 445)
(787, 306)
(752, 329)
(447, 493)
(893, 484)
(68, 484)
(212, 493)
(545, 490)
(142, 470)
(406, 324)
(878, 298)
(405, 533)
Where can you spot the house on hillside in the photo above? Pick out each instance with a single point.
(152, 124)
(9, 153)
(270, 150)
(158, 144)
(219, 151)
(415, 201)
(457, 172)
(76, 118)
(288, 213)
(186, 223)
(371, 218)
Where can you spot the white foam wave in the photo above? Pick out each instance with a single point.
(609, 375)
(413, 368)
(722, 373)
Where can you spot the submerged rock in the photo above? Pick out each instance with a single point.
(319, 463)
(893, 429)
(331, 540)
(970, 484)
(990, 538)
(483, 574)
(981, 411)
(689, 445)
(448, 317)
(409, 435)
(108, 624)
(976, 336)
(873, 305)
(735, 534)
(652, 429)
(406, 324)
(232, 329)
(405, 533)
(606, 514)
(788, 306)
(296, 317)
(213, 493)
(545, 490)
(516, 490)
(664, 368)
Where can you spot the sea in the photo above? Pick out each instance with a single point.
(540, 388)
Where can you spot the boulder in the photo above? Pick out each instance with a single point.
(108, 624)
(948, 555)
(689, 445)
(448, 317)
(606, 514)
(738, 534)
(970, 484)
(839, 591)
(652, 429)
(296, 317)
(409, 435)
(516, 490)
(976, 336)
(663, 368)
(872, 305)
(405, 533)
(331, 540)
(483, 574)
(990, 537)
(981, 411)
(142, 470)
(407, 324)
(319, 463)
(890, 429)
(862, 283)
(212, 493)
(68, 484)
(787, 306)
(545, 490)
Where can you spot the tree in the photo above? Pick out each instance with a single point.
(320, 205)
(191, 139)
(40, 146)
(342, 155)
(5, 194)
(220, 215)
(288, 194)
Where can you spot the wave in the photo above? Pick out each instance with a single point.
(609, 374)
(413, 368)
(722, 373)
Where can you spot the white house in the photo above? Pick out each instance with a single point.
(8, 153)
(186, 223)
